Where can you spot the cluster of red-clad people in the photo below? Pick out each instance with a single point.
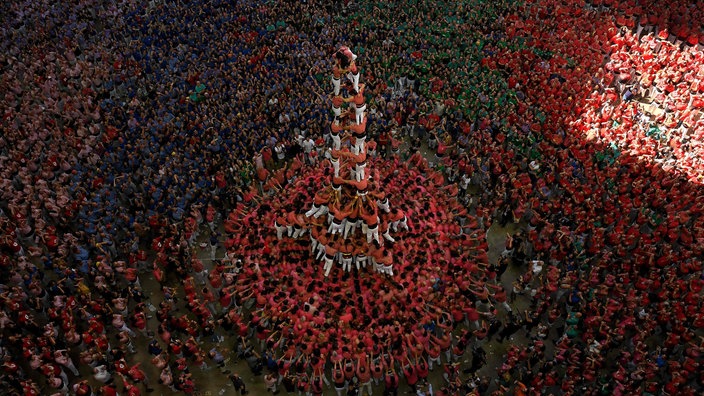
(614, 207)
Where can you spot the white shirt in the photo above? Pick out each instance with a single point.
(101, 374)
(464, 181)
(308, 145)
(419, 392)
(280, 153)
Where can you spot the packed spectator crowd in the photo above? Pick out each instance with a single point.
(128, 136)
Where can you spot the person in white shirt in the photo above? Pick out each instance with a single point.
(280, 151)
(308, 144)
(101, 374)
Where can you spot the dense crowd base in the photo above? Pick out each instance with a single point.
(129, 127)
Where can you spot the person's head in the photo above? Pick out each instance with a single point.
(342, 59)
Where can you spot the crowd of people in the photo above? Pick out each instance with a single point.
(128, 135)
(614, 197)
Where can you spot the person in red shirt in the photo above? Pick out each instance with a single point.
(384, 141)
(364, 374)
(268, 158)
(433, 350)
(411, 375)
(82, 388)
(421, 368)
(107, 390)
(336, 127)
(368, 213)
(359, 103)
(445, 343)
(359, 132)
(383, 261)
(359, 159)
(391, 382)
(129, 388)
(398, 220)
(336, 75)
(337, 102)
(320, 201)
(377, 366)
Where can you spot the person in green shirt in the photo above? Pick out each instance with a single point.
(573, 318)
(572, 332)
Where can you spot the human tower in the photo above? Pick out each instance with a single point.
(350, 221)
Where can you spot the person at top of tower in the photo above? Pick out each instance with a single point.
(346, 59)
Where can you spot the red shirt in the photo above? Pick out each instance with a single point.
(132, 390)
(358, 99)
(391, 381)
(411, 375)
(108, 390)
